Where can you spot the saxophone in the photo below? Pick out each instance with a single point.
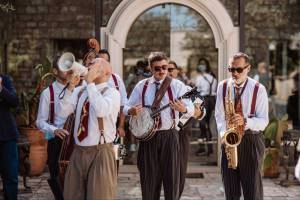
(233, 134)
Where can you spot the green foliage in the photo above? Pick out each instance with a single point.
(271, 130)
(274, 131)
(7, 7)
(267, 161)
(26, 113)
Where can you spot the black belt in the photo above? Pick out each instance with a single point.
(253, 132)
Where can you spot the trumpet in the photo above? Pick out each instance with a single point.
(67, 63)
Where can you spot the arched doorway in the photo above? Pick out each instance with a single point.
(225, 34)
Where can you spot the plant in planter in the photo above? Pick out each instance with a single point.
(26, 115)
(273, 134)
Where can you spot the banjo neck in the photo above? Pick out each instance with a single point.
(157, 111)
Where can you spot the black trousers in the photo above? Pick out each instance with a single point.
(9, 168)
(184, 154)
(209, 105)
(54, 146)
(248, 174)
(158, 163)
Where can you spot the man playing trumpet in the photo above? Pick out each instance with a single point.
(92, 172)
(249, 118)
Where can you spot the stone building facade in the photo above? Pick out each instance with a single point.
(38, 28)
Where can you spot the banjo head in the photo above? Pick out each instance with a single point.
(142, 124)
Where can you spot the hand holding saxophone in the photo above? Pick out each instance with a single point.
(238, 119)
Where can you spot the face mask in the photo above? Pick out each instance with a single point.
(139, 72)
(147, 74)
(201, 68)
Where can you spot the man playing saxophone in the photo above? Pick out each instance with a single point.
(241, 114)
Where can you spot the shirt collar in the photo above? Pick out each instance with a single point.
(101, 85)
(240, 86)
(59, 85)
(152, 80)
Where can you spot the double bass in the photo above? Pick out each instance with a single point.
(68, 142)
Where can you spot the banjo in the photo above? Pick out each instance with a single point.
(144, 125)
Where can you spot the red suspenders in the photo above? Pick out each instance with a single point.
(254, 97)
(115, 81)
(51, 111)
(170, 94)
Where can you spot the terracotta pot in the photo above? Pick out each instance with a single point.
(38, 150)
(271, 170)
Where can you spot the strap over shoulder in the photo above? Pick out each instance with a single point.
(161, 92)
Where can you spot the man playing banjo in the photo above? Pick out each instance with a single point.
(158, 155)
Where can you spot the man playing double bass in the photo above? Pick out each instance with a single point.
(158, 157)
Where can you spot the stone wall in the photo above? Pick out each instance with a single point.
(29, 31)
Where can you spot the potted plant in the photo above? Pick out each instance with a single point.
(26, 115)
(273, 134)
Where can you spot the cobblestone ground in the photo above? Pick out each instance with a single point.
(207, 188)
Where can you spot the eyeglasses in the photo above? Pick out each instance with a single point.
(171, 69)
(160, 68)
(237, 69)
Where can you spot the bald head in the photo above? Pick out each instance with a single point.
(102, 70)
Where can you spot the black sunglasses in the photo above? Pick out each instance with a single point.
(171, 69)
(159, 68)
(237, 69)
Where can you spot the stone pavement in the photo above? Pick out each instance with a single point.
(207, 188)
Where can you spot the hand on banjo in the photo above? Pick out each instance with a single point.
(135, 110)
(178, 105)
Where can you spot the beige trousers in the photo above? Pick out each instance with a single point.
(91, 174)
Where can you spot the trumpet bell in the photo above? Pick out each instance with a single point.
(67, 62)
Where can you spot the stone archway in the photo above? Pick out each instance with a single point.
(113, 37)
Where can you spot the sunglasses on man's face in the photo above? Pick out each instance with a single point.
(171, 69)
(237, 69)
(160, 68)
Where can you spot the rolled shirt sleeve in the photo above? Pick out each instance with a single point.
(219, 111)
(261, 118)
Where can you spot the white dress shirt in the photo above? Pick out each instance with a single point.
(42, 121)
(106, 106)
(122, 88)
(178, 89)
(261, 114)
(204, 86)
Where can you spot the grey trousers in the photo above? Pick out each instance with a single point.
(91, 174)
(248, 174)
(158, 163)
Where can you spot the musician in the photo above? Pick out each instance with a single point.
(8, 138)
(183, 135)
(115, 81)
(158, 157)
(51, 124)
(251, 115)
(92, 172)
(207, 84)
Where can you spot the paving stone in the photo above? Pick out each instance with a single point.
(208, 188)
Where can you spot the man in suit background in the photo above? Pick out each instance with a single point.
(8, 138)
